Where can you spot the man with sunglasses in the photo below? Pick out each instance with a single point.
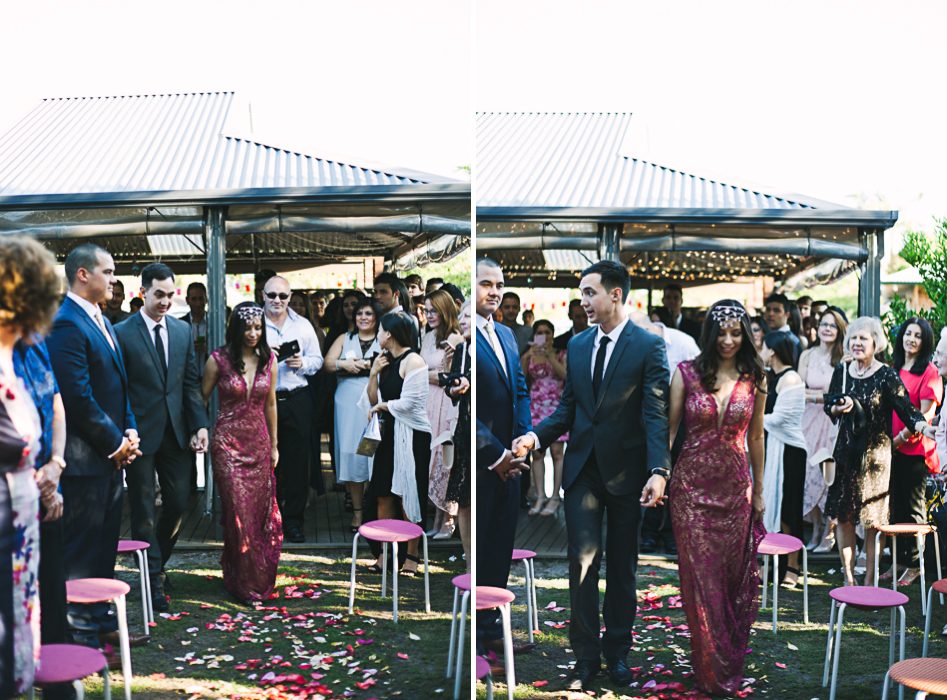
(293, 407)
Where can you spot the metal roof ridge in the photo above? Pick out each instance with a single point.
(342, 159)
(138, 94)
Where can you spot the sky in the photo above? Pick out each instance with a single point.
(826, 99)
(388, 82)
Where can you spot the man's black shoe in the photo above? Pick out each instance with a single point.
(167, 583)
(618, 672)
(159, 602)
(294, 534)
(670, 546)
(580, 678)
(649, 546)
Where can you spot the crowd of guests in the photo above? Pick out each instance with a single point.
(97, 403)
(768, 421)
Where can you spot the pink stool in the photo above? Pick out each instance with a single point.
(488, 598)
(919, 530)
(532, 612)
(483, 671)
(461, 583)
(923, 675)
(69, 663)
(773, 545)
(104, 590)
(139, 547)
(870, 599)
(940, 587)
(393, 531)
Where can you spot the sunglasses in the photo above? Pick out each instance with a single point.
(273, 295)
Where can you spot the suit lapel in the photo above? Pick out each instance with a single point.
(96, 333)
(150, 344)
(614, 361)
(584, 344)
(486, 349)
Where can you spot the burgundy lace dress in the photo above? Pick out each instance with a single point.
(717, 538)
(240, 454)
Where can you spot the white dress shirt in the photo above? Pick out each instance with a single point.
(680, 347)
(150, 323)
(486, 326)
(94, 313)
(295, 327)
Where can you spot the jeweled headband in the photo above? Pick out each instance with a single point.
(723, 314)
(249, 313)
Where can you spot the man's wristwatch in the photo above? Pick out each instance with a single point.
(661, 471)
(58, 460)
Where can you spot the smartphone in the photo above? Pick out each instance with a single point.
(287, 350)
(445, 344)
(539, 341)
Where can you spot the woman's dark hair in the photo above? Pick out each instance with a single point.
(795, 319)
(761, 322)
(613, 275)
(782, 346)
(339, 324)
(402, 328)
(362, 303)
(544, 322)
(748, 359)
(234, 342)
(926, 350)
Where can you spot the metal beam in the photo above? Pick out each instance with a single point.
(869, 286)
(216, 246)
(608, 241)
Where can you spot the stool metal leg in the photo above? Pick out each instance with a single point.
(453, 629)
(838, 646)
(884, 692)
(901, 658)
(920, 551)
(151, 610)
(489, 687)
(352, 577)
(775, 589)
(529, 601)
(940, 574)
(427, 584)
(765, 579)
(459, 668)
(105, 683)
(877, 555)
(532, 575)
(140, 556)
(125, 646)
(829, 643)
(508, 650)
(80, 689)
(894, 563)
(927, 621)
(394, 578)
(805, 586)
(384, 568)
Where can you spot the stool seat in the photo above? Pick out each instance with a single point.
(462, 582)
(929, 675)
(65, 663)
(483, 667)
(941, 586)
(132, 545)
(489, 597)
(521, 554)
(907, 529)
(95, 590)
(777, 543)
(868, 597)
(390, 531)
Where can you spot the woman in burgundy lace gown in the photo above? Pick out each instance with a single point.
(716, 506)
(243, 454)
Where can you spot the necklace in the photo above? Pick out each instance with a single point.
(862, 372)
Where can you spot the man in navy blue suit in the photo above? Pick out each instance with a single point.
(101, 435)
(502, 415)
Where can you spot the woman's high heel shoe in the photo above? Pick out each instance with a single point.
(446, 531)
(828, 542)
(909, 577)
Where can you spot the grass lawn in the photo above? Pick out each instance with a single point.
(786, 665)
(302, 644)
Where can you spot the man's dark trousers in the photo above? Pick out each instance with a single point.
(293, 423)
(92, 514)
(173, 467)
(497, 512)
(52, 597)
(586, 502)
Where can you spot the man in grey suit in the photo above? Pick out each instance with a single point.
(164, 391)
(614, 406)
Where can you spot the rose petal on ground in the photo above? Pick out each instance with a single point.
(792, 646)
(402, 656)
(779, 665)
(540, 684)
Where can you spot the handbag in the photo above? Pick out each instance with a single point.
(371, 438)
(826, 457)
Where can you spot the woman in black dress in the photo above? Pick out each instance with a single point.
(397, 391)
(863, 449)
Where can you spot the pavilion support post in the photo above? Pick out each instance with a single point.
(216, 238)
(869, 286)
(608, 235)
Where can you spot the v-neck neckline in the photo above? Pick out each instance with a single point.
(722, 417)
(248, 387)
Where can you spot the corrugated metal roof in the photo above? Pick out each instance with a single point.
(145, 143)
(576, 160)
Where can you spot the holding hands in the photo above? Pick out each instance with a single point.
(129, 451)
(510, 466)
(522, 445)
(199, 441)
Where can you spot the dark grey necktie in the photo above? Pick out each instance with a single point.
(599, 365)
(159, 346)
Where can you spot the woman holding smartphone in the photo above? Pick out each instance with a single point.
(437, 351)
(545, 371)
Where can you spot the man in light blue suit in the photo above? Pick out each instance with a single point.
(101, 435)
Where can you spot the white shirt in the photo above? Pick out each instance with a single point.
(295, 327)
(198, 329)
(483, 324)
(680, 347)
(93, 311)
(151, 323)
(613, 337)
